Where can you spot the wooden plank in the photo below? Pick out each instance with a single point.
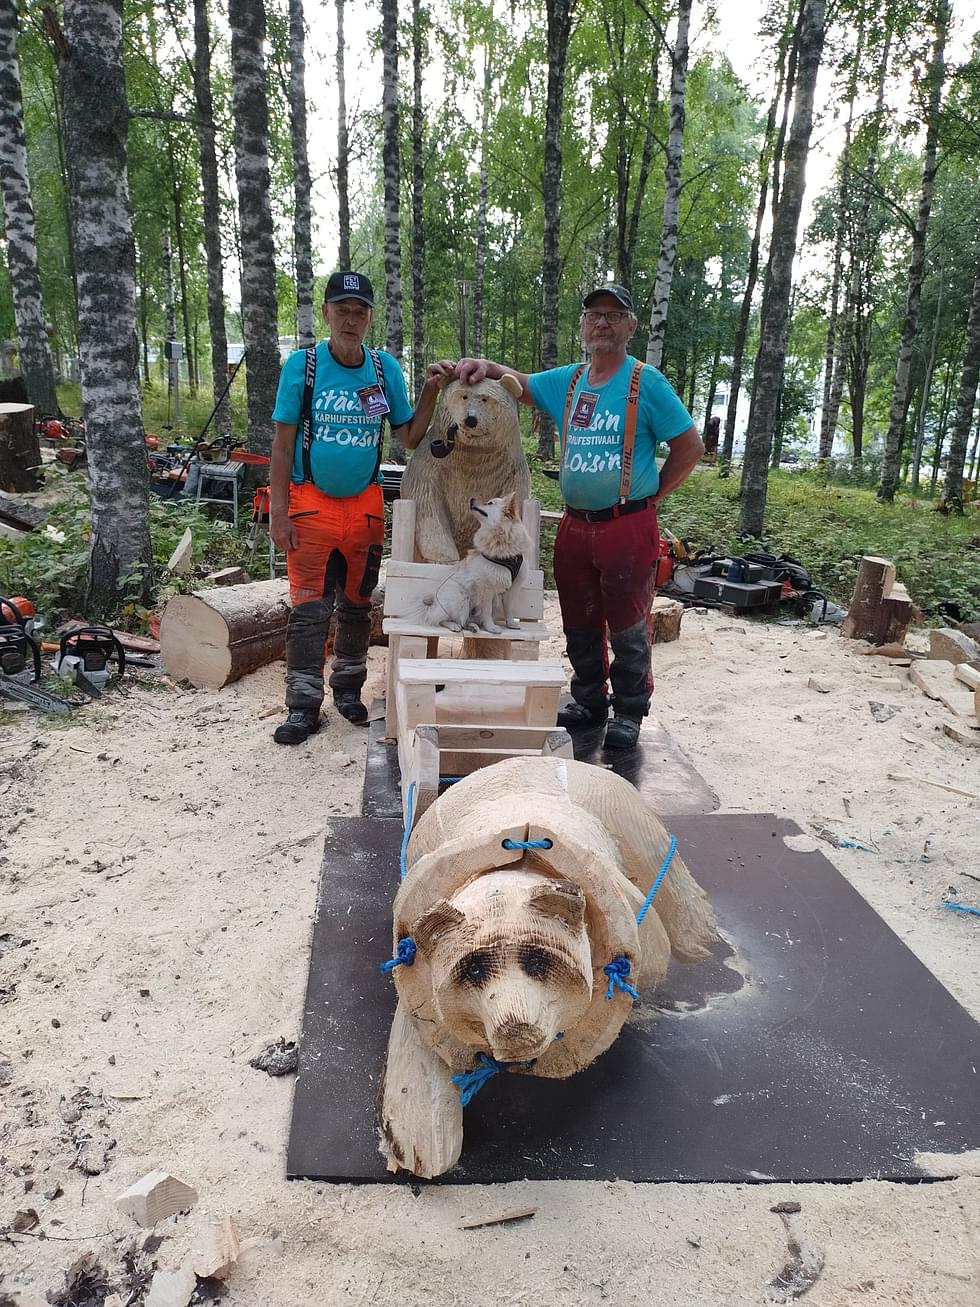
(19, 513)
(532, 632)
(967, 674)
(939, 681)
(505, 739)
(400, 648)
(461, 671)
(963, 734)
(531, 517)
(402, 530)
(415, 705)
(408, 584)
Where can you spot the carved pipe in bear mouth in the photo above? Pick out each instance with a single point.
(443, 448)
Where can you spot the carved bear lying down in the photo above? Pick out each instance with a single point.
(509, 953)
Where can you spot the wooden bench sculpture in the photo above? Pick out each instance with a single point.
(536, 897)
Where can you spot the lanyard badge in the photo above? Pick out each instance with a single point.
(584, 408)
(373, 402)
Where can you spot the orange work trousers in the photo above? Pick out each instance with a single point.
(334, 566)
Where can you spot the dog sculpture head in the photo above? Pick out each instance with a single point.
(510, 960)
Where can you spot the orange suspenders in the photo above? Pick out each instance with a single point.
(629, 433)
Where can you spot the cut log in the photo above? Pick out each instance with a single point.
(967, 674)
(881, 610)
(19, 513)
(212, 637)
(665, 620)
(952, 646)
(20, 450)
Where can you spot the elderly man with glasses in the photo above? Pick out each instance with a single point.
(611, 413)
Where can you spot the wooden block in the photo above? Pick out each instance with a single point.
(215, 1250)
(541, 705)
(963, 734)
(180, 560)
(531, 517)
(229, 576)
(415, 706)
(171, 1288)
(967, 674)
(156, 1196)
(400, 648)
(461, 671)
(938, 681)
(665, 620)
(402, 530)
(953, 646)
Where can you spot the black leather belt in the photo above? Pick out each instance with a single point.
(607, 514)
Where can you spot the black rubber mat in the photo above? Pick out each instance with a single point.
(657, 767)
(814, 1047)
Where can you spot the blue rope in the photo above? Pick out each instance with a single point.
(659, 880)
(617, 971)
(404, 955)
(962, 907)
(403, 855)
(527, 844)
(469, 1083)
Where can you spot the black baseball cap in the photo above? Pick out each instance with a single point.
(610, 288)
(349, 286)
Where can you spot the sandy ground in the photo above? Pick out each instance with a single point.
(158, 872)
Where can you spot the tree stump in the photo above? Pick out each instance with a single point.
(20, 450)
(512, 945)
(213, 637)
(665, 620)
(881, 610)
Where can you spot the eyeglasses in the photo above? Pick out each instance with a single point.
(613, 316)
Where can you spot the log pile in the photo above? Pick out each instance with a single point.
(880, 610)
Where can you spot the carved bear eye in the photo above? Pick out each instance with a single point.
(535, 963)
(476, 968)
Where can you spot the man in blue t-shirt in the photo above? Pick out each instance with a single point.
(326, 506)
(611, 413)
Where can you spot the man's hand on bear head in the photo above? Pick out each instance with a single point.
(441, 372)
(471, 371)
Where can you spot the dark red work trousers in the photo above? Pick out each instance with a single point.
(604, 572)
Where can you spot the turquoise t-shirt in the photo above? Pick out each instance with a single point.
(592, 463)
(344, 452)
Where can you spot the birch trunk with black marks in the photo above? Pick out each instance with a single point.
(766, 165)
(920, 426)
(343, 149)
(302, 214)
(771, 358)
(480, 261)
(394, 341)
(672, 188)
(833, 357)
(258, 255)
(185, 313)
(211, 213)
(418, 201)
(965, 403)
(559, 14)
(902, 389)
(20, 227)
(96, 122)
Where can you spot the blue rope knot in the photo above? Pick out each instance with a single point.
(469, 1083)
(526, 844)
(404, 955)
(617, 971)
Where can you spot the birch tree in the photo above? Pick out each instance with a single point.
(559, 14)
(771, 358)
(418, 198)
(258, 259)
(480, 259)
(902, 389)
(343, 149)
(21, 229)
(302, 218)
(211, 202)
(90, 55)
(965, 402)
(394, 337)
(672, 188)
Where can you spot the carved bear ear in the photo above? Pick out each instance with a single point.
(511, 385)
(562, 899)
(436, 921)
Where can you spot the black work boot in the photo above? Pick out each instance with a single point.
(577, 717)
(298, 726)
(348, 704)
(622, 732)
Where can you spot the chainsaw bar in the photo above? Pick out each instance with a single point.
(30, 694)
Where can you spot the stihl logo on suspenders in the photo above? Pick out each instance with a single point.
(306, 422)
(629, 433)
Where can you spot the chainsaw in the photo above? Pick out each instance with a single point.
(20, 671)
(84, 655)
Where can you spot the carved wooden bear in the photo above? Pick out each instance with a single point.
(510, 952)
(473, 451)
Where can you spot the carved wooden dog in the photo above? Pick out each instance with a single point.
(508, 952)
(473, 451)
